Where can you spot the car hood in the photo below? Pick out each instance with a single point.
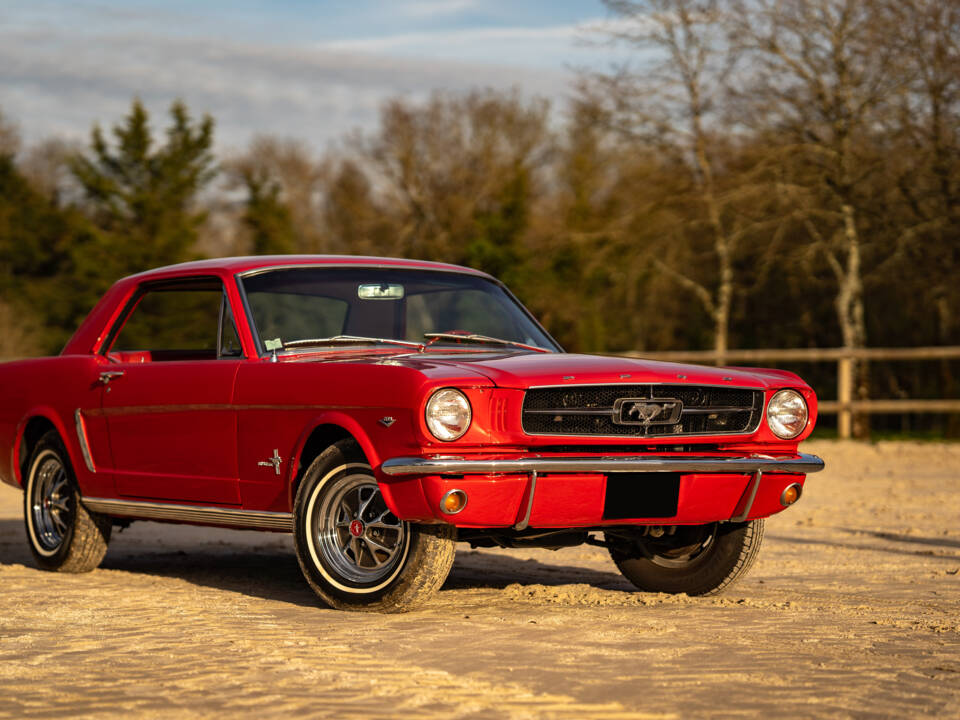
(512, 370)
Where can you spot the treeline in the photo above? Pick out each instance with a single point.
(767, 173)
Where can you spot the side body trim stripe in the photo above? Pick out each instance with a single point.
(192, 513)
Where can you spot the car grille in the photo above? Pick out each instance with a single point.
(641, 410)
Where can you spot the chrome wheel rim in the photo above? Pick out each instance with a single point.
(357, 535)
(686, 555)
(51, 503)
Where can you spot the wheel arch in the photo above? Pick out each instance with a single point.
(37, 423)
(321, 433)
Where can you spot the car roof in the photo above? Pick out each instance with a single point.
(238, 265)
(92, 330)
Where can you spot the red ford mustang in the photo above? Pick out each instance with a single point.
(381, 410)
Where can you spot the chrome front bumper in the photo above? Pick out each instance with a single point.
(801, 463)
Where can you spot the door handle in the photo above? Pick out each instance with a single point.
(107, 375)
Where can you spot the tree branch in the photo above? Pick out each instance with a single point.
(692, 285)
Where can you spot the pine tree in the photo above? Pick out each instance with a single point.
(142, 196)
(267, 216)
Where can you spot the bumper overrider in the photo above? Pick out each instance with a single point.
(573, 491)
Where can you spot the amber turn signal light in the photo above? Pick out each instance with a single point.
(790, 494)
(453, 502)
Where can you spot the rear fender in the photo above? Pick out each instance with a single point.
(69, 440)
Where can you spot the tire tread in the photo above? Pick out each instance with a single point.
(87, 545)
(703, 579)
(431, 554)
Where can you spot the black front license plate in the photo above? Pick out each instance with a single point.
(641, 495)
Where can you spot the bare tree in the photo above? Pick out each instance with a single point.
(458, 173)
(924, 165)
(354, 216)
(676, 100)
(821, 72)
(926, 130)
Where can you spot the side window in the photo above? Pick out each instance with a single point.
(179, 322)
(229, 339)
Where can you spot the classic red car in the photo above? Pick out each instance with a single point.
(381, 410)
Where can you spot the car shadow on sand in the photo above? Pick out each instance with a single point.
(490, 569)
(943, 542)
(13, 543)
(272, 573)
(931, 554)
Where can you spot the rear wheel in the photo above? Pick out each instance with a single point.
(354, 552)
(696, 560)
(63, 535)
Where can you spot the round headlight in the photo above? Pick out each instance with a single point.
(787, 414)
(448, 414)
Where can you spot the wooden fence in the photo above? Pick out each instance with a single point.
(845, 405)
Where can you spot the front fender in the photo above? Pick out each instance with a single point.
(334, 418)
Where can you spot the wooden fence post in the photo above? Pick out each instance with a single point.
(845, 397)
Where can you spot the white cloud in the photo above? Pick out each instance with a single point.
(547, 46)
(429, 41)
(56, 83)
(434, 8)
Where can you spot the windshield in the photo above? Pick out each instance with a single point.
(303, 307)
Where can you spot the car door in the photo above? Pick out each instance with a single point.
(173, 362)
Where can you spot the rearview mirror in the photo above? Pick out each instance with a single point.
(381, 291)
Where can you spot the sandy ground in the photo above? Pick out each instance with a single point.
(853, 610)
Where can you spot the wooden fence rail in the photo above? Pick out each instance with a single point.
(845, 405)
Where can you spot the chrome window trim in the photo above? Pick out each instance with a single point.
(261, 352)
(258, 348)
(141, 289)
(379, 265)
(145, 510)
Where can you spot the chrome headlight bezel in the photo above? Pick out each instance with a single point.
(453, 405)
(786, 404)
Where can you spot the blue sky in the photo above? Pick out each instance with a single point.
(313, 70)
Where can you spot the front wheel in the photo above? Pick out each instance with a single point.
(354, 552)
(696, 560)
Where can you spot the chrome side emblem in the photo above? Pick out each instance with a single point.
(274, 461)
(643, 411)
(387, 421)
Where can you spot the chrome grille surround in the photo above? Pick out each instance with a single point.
(641, 410)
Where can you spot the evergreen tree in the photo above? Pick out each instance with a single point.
(37, 241)
(141, 196)
(267, 216)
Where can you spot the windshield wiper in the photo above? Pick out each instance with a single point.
(486, 339)
(349, 339)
